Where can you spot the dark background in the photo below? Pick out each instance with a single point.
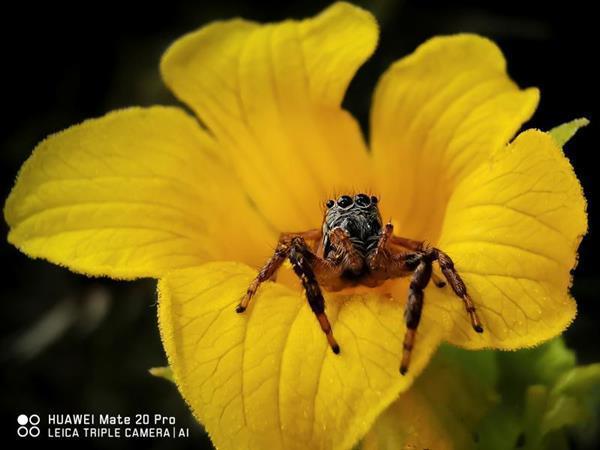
(71, 344)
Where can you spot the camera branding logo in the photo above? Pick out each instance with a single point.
(28, 425)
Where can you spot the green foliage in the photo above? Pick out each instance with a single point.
(544, 397)
(162, 372)
(533, 399)
(563, 133)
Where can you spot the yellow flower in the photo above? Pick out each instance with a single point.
(147, 192)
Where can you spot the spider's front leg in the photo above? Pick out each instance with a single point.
(389, 262)
(273, 264)
(293, 247)
(414, 306)
(300, 257)
(458, 286)
(449, 271)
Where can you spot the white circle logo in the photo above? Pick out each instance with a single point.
(32, 420)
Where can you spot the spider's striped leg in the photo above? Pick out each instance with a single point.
(267, 271)
(380, 259)
(414, 306)
(273, 264)
(450, 273)
(293, 247)
(458, 286)
(300, 256)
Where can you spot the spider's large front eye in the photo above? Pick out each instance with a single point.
(344, 201)
(362, 200)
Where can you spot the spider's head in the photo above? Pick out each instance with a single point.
(358, 215)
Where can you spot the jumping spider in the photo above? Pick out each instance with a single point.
(352, 248)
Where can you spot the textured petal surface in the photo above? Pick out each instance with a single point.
(266, 378)
(271, 95)
(134, 193)
(526, 216)
(436, 115)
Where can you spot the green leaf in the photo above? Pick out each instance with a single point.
(563, 133)
(444, 405)
(579, 381)
(162, 372)
(539, 365)
(530, 399)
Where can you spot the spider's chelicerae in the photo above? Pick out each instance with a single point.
(353, 247)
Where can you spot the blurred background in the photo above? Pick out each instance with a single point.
(71, 344)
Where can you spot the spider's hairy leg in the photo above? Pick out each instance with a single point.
(384, 238)
(414, 306)
(267, 271)
(411, 244)
(300, 257)
(459, 288)
(450, 273)
(388, 232)
(293, 246)
(273, 264)
(345, 254)
(381, 260)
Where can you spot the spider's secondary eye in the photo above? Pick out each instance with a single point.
(330, 203)
(374, 200)
(344, 201)
(362, 200)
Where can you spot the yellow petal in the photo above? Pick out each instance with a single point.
(267, 378)
(132, 194)
(436, 115)
(271, 95)
(513, 228)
